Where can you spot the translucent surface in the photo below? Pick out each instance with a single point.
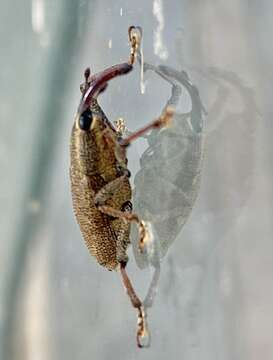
(168, 181)
(215, 294)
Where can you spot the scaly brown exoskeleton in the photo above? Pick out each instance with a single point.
(101, 192)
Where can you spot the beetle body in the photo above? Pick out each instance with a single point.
(100, 187)
(93, 165)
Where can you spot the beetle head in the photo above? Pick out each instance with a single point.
(91, 88)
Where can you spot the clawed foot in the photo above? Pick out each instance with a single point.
(121, 127)
(144, 236)
(143, 334)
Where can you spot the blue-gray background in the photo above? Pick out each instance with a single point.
(216, 290)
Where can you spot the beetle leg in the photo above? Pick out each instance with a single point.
(121, 127)
(108, 190)
(142, 328)
(162, 121)
(135, 35)
(100, 198)
(128, 217)
(106, 193)
(136, 302)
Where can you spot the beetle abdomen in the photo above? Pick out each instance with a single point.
(95, 226)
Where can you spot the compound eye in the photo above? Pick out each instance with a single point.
(85, 120)
(127, 206)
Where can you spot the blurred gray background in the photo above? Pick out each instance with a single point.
(215, 294)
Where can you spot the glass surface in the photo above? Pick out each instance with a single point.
(215, 296)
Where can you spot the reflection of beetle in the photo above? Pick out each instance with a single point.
(167, 184)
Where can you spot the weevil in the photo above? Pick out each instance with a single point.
(101, 192)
